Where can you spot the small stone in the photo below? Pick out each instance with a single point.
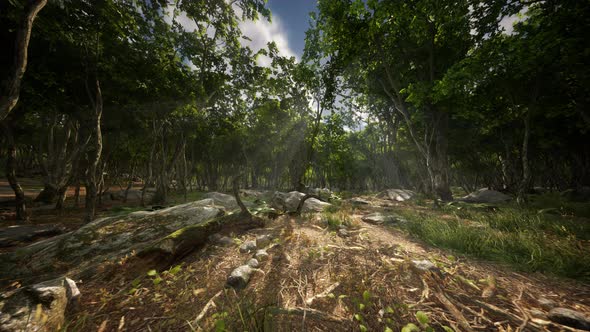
(343, 232)
(537, 314)
(248, 246)
(570, 318)
(424, 265)
(546, 303)
(261, 255)
(226, 241)
(72, 291)
(253, 263)
(240, 277)
(263, 240)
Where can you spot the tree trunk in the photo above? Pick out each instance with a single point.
(525, 182)
(19, 194)
(77, 195)
(94, 153)
(11, 93)
(61, 198)
(441, 159)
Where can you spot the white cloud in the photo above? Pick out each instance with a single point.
(262, 32)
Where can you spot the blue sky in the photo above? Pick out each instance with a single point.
(293, 15)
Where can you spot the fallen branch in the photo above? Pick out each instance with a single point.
(210, 304)
(307, 312)
(302, 202)
(325, 293)
(461, 320)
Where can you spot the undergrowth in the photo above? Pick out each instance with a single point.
(526, 238)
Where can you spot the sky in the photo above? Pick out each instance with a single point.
(290, 20)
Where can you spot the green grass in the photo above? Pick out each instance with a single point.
(528, 240)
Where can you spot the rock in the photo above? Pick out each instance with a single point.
(290, 201)
(261, 255)
(221, 240)
(18, 309)
(399, 195)
(323, 193)
(12, 235)
(425, 265)
(248, 246)
(227, 201)
(570, 318)
(537, 314)
(263, 240)
(240, 277)
(101, 241)
(343, 232)
(379, 218)
(253, 263)
(358, 201)
(252, 193)
(546, 303)
(485, 195)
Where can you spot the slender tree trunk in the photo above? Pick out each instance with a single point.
(525, 182)
(94, 154)
(77, 194)
(61, 198)
(11, 93)
(11, 162)
(441, 175)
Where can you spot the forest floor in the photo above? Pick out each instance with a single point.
(332, 271)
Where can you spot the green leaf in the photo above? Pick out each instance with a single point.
(175, 269)
(157, 280)
(422, 317)
(447, 329)
(361, 306)
(389, 310)
(366, 296)
(152, 273)
(358, 317)
(387, 329)
(135, 282)
(362, 328)
(410, 328)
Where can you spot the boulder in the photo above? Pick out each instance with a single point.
(485, 195)
(398, 195)
(227, 201)
(290, 201)
(103, 240)
(240, 277)
(248, 246)
(380, 218)
(570, 318)
(253, 263)
(40, 307)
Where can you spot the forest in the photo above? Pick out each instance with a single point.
(424, 165)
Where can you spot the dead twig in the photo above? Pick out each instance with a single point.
(461, 320)
(325, 293)
(209, 305)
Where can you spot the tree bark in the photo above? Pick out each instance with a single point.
(521, 197)
(10, 95)
(19, 194)
(94, 153)
(441, 175)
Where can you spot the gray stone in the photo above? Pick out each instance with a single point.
(227, 201)
(261, 255)
(18, 309)
(343, 232)
(263, 240)
(424, 265)
(485, 195)
(100, 241)
(253, 263)
(290, 201)
(248, 246)
(221, 240)
(398, 195)
(240, 277)
(569, 318)
(380, 218)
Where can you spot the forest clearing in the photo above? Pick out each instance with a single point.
(309, 165)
